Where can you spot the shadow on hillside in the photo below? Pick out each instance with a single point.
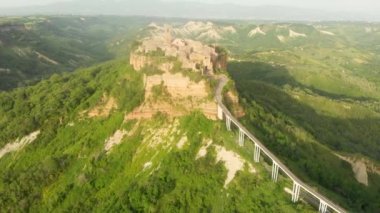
(279, 76)
(260, 82)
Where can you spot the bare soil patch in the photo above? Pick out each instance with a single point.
(104, 108)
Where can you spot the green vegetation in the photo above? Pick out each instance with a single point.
(306, 97)
(222, 59)
(150, 70)
(257, 77)
(61, 98)
(32, 48)
(160, 92)
(67, 168)
(295, 132)
(311, 95)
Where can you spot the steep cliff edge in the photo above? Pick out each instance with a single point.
(175, 75)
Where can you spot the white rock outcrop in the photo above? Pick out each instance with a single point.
(19, 144)
(281, 38)
(256, 31)
(327, 32)
(293, 34)
(232, 161)
(211, 34)
(203, 150)
(114, 140)
(229, 29)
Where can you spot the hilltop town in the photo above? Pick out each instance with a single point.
(193, 55)
(174, 57)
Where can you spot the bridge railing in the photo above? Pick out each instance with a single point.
(325, 205)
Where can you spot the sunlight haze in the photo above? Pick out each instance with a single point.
(328, 5)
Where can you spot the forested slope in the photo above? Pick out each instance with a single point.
(32, 48)
(79, 163)
(306, 140)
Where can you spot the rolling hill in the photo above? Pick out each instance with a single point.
(120, 137)
(76, 160)
(311, 91)
(32, 48)
(193, 10)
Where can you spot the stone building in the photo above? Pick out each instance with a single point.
(192, 54)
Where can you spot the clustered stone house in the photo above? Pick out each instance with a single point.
(193, 55)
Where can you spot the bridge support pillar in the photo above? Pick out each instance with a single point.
(322, 206)
(296, 192)
(220, 113)
(241, 137)
(274, 171)
(256, 155)
(228, 123)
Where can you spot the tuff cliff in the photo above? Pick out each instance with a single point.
(174, 62)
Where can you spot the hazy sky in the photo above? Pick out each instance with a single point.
(350, 5)
(335, 5)
(17, 3)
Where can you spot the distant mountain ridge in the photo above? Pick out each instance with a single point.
(188, 10)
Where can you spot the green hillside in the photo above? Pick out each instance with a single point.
(68, 169)
(313, 97)
(32, 48)
(309, 91)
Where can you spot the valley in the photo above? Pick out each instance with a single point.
(138, 129)
(33, 48)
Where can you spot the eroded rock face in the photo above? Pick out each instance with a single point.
(163, 51)
(232, 161)
(138, 61)
(19, 143)
(103, 109)
(361, 167)
(114, 140)
(184, 96)
(360, 170)
(166, 67)
(256, 31)
(293, 34)
(177, 85)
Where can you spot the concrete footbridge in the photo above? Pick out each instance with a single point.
(299, 187)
